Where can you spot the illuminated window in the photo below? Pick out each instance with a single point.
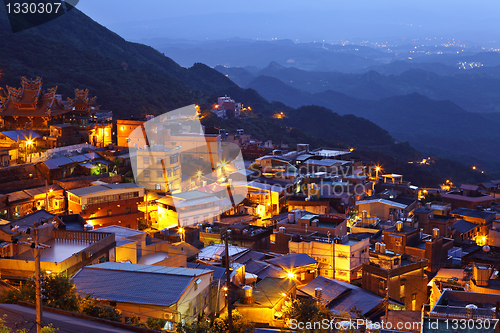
(110, 212)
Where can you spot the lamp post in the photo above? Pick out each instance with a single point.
(228, 281)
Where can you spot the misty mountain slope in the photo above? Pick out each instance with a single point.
(239, 75)
(73, 51)
(433, 126)
(475, 90)
(307, 56)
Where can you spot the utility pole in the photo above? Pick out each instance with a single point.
(37, 282)
(387, 295)
(228, 278)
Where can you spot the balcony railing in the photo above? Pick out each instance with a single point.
(455, 312)
(83, 236)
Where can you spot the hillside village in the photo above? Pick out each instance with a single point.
(159, 217)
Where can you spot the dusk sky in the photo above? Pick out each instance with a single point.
(297, 20)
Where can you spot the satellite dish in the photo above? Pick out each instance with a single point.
(486, 248)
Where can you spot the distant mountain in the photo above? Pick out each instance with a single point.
(399, 67)
(307, 56)
(475, 90)
(439, 127)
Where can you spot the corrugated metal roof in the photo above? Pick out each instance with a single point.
(102, 188)
(131, 286)
(151, 269)
(20, 135)
(215, 250)
(382, 201)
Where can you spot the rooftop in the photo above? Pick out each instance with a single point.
(216, 251)
(137, 283)
(59, 250)
(291, 261)
(463, 226)
(269, 291)
(472, 213)
(83, 191)
(382, 201)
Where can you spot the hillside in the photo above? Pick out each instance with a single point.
(90, 56)
(436, 127)
(75, 52)
(474, 90)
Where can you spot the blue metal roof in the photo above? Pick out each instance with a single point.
(141, 287)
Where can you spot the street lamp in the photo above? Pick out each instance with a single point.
(377, 169)
(181, 230)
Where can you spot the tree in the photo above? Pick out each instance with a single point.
(5, 329)
(306, 311)
(92, 307)
(218, 325)
(58, 292)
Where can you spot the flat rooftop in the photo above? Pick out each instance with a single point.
(59, 250)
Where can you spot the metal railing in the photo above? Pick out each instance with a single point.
(452, 312)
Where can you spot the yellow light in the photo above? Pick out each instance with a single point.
(290, 275)
(377, 168)
(181, 230)
(473, 168)
(351, 149)
(48, 272)
(425, 191)
(51, 190)
(89, 222)
(225, 288)
(123, 128)
(283, 294)
(199, 173)
(29, 142)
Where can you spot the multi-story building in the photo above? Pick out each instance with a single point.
(404, 277)
(339, 260)
(109, 204)
(187, 208)
(67, 251)
(158, 168)
(403, 239)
